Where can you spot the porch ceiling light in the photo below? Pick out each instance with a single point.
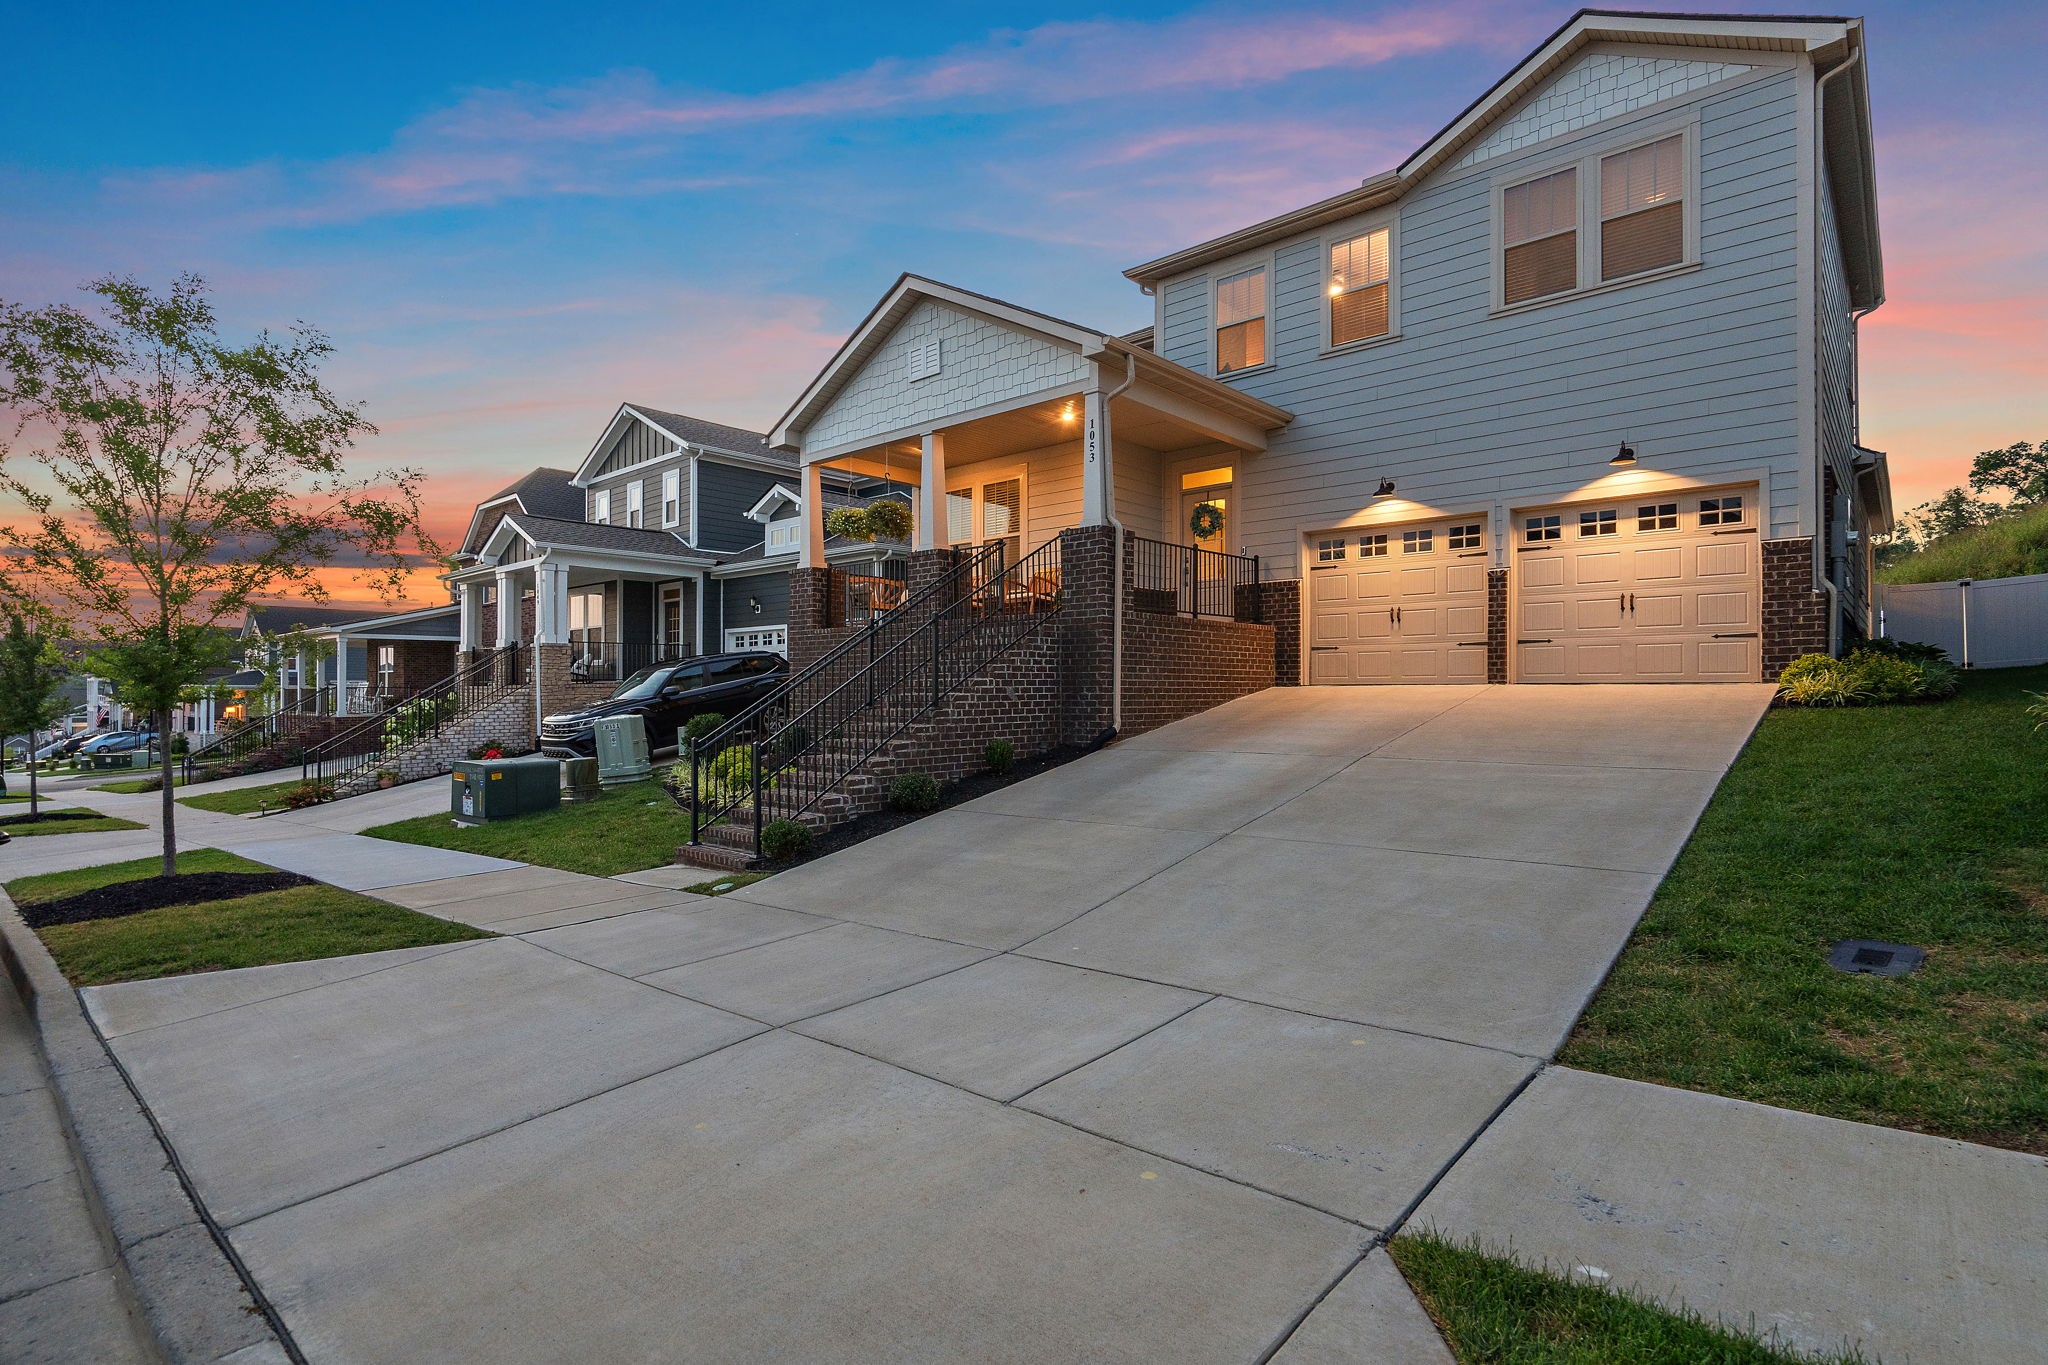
(1067, 413)
(1385, 490)
(1625, 456)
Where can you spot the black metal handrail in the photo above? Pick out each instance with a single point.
(425, 714)
(863, 694)
(1186, 580)
(251, 735)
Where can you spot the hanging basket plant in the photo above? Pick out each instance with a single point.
(1206, 521)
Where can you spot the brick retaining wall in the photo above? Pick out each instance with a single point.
(1795, 616)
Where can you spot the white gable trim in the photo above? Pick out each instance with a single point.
(765, 508)
(502, 536)
(586, 472)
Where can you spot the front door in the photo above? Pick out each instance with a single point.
(1206, 494)
(675, 625)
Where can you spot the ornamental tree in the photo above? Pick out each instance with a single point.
(32, 676)
(170, 476)
(2020, 470)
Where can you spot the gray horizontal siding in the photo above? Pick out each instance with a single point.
(1701, 370)
(649, 479)
(725, 493)
(770, 589)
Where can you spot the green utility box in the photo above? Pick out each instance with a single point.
(485, 789)
(621, 750)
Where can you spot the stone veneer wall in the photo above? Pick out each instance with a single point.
(1795, 616)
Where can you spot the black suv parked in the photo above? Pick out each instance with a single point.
(665, 696)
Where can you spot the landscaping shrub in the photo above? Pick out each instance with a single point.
(416, 719)
(696, 727)
(1903, 649)
(914, 792)
(782, 840)
(308, 794)
(1869, 675)
(729, 773)
(999, 755)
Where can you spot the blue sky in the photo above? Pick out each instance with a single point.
(512, 217)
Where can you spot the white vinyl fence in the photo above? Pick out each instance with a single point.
(1982, 623)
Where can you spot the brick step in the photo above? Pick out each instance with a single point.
(715, 857)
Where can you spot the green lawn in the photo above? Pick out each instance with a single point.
(628, 829)
(135, 786)
(293, 925)
(98, 824)
(1925, 825)
(1495, 1310)
(242, 800)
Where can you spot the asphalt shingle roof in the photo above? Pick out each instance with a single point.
(278, 618)
(598, 536)
(546, 493)
(716, 435)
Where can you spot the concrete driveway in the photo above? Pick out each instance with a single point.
(1132, 1061)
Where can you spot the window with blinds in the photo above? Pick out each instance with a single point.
(1359, 275)
(1241, 320)
(1540, 237)
(1642, 208)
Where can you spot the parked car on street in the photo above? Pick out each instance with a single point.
(667, 695)
(117, 742)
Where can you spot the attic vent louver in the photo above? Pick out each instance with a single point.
(924, 360)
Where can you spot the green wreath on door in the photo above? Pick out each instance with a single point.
(1206, 520)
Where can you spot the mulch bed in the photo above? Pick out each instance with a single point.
(154, 893)
(49, 817)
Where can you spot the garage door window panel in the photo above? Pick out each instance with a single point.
(1722, 511)
(1661, 516)
(1539, 529)
(1594, 524)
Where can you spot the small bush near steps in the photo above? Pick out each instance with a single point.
(309, 794)
(999, 755)
(914, 792)
(1874, 674)
(782, 840)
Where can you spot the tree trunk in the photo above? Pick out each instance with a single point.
(163, 737)
(31, 776)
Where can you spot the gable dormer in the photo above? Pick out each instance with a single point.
(780, 513)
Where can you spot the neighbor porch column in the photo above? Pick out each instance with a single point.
(933, 533)
(1098, 472)
(508, 609)
(811, 547)
(340, 674)
(470, 596)
(551, 604)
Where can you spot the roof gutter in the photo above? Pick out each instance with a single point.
(1823, 551)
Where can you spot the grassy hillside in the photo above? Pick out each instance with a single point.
(2007, 548)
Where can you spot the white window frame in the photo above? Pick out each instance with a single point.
(671, 497)
(783, 535)
(1217, 278)
(1587, 163)
(971, 479)
(636, 503)
(1391, 224)
(601, 507)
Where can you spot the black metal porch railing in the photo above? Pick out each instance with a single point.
(252, 734)
(610, 661)
(1185, 580)
(869, 597)
(779, 758)
(361, 748)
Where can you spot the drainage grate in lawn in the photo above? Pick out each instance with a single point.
(1872, 958)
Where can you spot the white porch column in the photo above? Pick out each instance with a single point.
(470, 598)
(1098, 472)
(340, 674)
(932, 531)
(811, 547)
(508, 609)
(551, 604)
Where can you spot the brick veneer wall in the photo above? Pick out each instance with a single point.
(1496, 625)
(1175, 666)
(810, 620)
(1795, 616)
(560, 690)
(1280, 608)
(418, 664)
(1086, 630)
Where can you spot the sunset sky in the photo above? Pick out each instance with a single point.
(512, 217)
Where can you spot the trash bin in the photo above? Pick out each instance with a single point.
(485, 789)
(579, 780)
(621, 750)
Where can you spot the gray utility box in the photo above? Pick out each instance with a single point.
(485, 789)
(621, 750)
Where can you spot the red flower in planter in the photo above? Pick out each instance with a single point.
(494, 752)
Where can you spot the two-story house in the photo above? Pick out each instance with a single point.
(1569, 395)
(674, 536)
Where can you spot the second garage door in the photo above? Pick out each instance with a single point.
(1399, 604)
(1659, 589)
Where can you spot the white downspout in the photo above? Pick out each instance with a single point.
(1821, 582)
(1116, 626)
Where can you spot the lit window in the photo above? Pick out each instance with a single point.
(1599, 523)
(1359, 273)
(1464, 537)
(1642, 209)
(1660, 516)
(671, 497)
(1540, 237)
(1241, 320)
(1418, 542)
(1721, 511)
(1542, 528)
(1371, 547)
(1327, 550)
(1205, 478)
(601, 507)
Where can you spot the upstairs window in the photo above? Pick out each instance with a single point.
(671, 497)
(601, 507)
(636, 510)
(1540, 237)
(1642, 209)
(1241, 320)
(1360, 269)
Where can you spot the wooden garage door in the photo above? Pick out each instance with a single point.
(1399, 604)
(1658, 589)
